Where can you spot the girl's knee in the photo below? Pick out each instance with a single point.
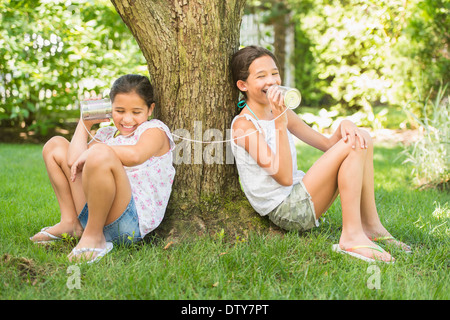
(55, 145)
(101, 155)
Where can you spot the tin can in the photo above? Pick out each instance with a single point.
(96, 109)
(292, 97)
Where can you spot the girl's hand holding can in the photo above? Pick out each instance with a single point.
(95, 110)
(276, 101)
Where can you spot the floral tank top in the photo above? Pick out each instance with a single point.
(151, 182)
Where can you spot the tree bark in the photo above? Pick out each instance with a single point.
(280, 24)
(188, 46)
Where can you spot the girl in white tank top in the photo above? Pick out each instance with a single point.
(266, 159)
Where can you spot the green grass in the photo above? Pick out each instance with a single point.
(268, 266)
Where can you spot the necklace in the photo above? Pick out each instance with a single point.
(248, 107)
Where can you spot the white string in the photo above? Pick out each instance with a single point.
(89, 133)
(224, 141)
(177, 136)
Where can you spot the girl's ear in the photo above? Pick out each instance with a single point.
(241, 85)
(150, 109)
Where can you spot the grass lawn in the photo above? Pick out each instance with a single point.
(291, 266)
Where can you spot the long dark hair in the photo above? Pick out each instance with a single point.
(133, 83)
(242, 59)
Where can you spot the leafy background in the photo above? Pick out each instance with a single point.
(349, 55)
(52, 53)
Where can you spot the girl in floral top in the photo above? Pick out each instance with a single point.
(114, 189)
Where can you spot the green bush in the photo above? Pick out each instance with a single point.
(360, 54)
(429, 155)
(52, 53)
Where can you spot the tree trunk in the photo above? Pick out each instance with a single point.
(280, 25)
(188, 46)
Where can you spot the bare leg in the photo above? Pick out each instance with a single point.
(108, 193)
(344, 167)
(70, 195)
(369, 215)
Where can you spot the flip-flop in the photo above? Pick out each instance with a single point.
(406, 249)
(100, 252)
(52, 237)
(349, 251)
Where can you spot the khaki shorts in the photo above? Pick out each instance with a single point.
(296, 212)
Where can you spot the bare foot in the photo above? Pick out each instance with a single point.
(88, 249)
(380, 234)
(363, 246)
(56, 231)
(390, 240)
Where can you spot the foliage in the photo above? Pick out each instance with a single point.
(429, 155)
(348, 42)
(52, 53)
(361, 53)
(349, 55)
(421, 54)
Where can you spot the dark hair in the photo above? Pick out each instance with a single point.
(242, 59)
(133, 83)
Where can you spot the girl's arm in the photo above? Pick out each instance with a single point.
(347, 130)
(277, 164)
(152, 142)
(79, 142)
(308, 135)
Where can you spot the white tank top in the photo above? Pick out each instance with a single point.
(263, 192)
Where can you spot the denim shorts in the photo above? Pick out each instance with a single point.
(296, 212)
(124, 230)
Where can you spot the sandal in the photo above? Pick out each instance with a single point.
(349, 251)
(100, 252)
(403, 246)
(52, 237)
